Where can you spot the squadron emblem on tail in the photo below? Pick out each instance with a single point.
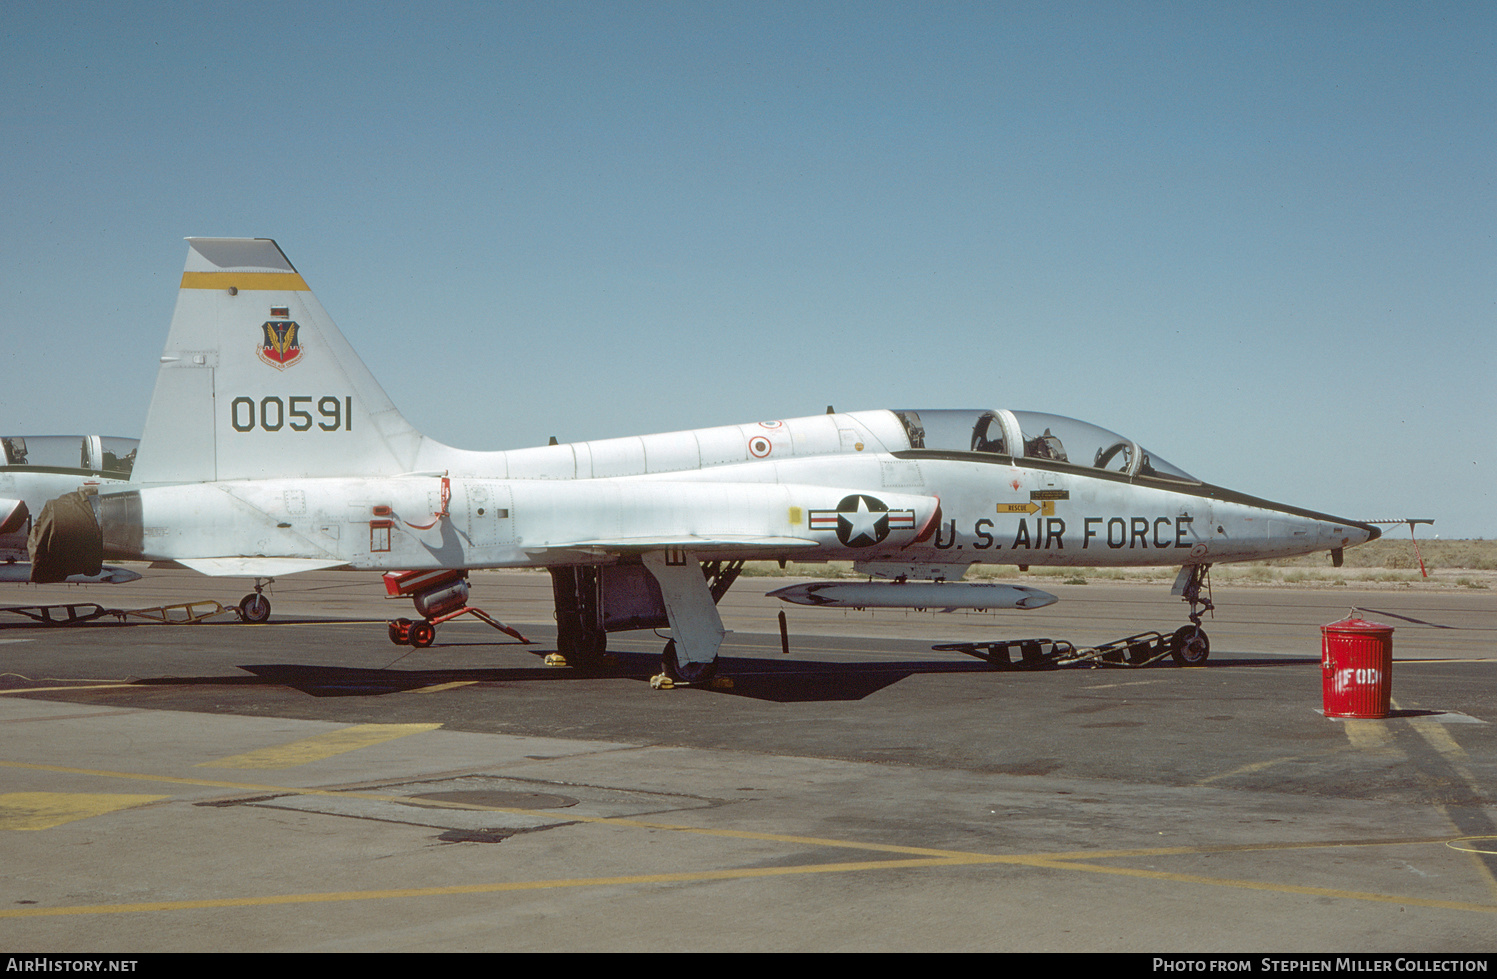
(280, 348)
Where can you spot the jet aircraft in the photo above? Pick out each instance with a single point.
(269, 449)
(38, 468)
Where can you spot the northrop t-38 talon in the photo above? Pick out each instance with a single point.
(35, 469)
(270, 449)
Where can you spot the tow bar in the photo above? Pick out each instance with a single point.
(77, 613)
(1141, 649)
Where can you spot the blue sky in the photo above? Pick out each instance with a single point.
(1258, 238)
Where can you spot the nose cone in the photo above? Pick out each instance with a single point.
(1357, 532)
(1337, 533)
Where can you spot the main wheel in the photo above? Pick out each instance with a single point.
(422, 634)
(587, 650)
(685, 672)
(1189, 646)
(255, 608)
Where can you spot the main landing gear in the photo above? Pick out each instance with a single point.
(661, 589)
(685, 671)
(581, 633)
(691, 590)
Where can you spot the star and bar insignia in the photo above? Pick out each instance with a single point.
(861, 521)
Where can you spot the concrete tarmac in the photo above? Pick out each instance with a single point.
(305, 785)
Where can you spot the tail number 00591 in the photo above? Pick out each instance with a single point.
(273, 414)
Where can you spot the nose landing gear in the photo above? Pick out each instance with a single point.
(1189, 646)
(255, 607)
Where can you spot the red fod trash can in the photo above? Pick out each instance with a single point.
(1356, 668)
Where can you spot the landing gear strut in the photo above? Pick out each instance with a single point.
(720, 576)
(255, 607)
(581, 637)
(1189, 646)
(685, 672)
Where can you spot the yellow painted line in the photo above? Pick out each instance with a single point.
(531, 885)
(1475, 844)
(917, 857)
(1374, 737)
(439, 687)
(266, 789)
(90, 686)
(736, 874)
(1249, 769)
(1177, 851)
(319, 747)
(1463, 659)
(265, 281)
(1253, 885)
(43, 810)
(1438, 737)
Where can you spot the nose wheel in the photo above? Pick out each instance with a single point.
(255, 607)
(1189, 645)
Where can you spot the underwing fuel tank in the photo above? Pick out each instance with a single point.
(947, 595)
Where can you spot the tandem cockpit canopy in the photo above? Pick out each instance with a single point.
(1033, 435)
(98, 455)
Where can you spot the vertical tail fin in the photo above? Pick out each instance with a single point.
(256, 381)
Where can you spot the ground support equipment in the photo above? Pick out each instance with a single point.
(422, 632)
(185, 613)
(182, 613)
(72, 613)
(1141, 649)
(440, 596)
(1034, 654)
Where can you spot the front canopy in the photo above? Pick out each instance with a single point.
(1033, 435)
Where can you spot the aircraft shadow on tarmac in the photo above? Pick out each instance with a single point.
(773, 680)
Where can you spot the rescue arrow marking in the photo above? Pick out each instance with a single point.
(1047, 508)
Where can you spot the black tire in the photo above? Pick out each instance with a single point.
(685, 672)
(1190, 646)
(422, 634)
(255, 608)
(587, 652)
(400, 631)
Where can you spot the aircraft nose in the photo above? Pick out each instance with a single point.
(1357, 532)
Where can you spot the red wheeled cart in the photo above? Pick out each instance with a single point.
(439, 595)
